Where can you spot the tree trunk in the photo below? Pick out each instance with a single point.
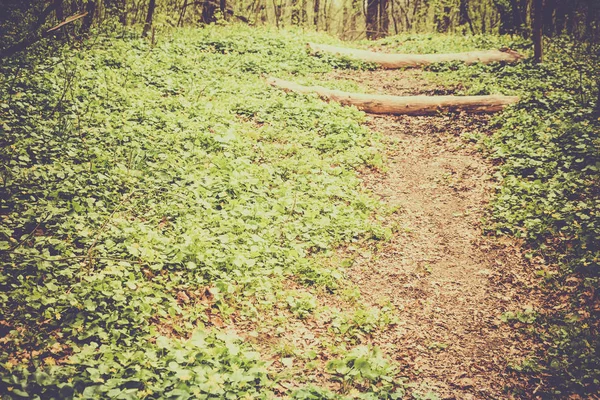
(59, 13)
(402, 105)
(548, 17)
(506, 20)
(463, 15)
(149, 17)
(538, 27)
(371, 19)
(394, 19)
(303, 18)
(90, 9)
(295, 13)
(384, 18)
(598, 97)
(395, 61)
(316, 9)
(209, 7)
(58, 10)
(223, 8)
(442, 22)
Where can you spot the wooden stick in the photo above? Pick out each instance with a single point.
(67, 21)
(395, 61)
(36, 37)
(402, 105)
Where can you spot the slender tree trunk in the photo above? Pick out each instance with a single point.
(598, 97)
(394, 20)
(316, 10)
(463, 12)
(303, 12)
(538, 28)
(60, 14)
(384, 17)
(149, 17)
(506, 18)
(295, 13)
(123, 13)
(90, 8)
(464, 17)
(549, 27)
(223, 8)
(516, 16)
(182, 13)
(371, 19)
(58, 10)
(208, 11)
(276, 12)
(483, 25)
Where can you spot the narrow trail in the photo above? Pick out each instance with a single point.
(448, 282)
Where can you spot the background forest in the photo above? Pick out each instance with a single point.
(155, 191)
(348, 20)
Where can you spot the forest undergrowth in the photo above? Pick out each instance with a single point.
(162, 206)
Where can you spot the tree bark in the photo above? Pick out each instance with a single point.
(223, 8)
(395, 61)
(149, 17)
(538, 28)
(384, 18)
(58, 10)
(209, 7)
(402, 105)
(371, 19)
(316, 10)
(90, 10)
(506, 21)
(442, 21)
(303, 13)
(464, 17)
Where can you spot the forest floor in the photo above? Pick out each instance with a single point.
(449, 283)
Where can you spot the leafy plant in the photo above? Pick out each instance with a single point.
(366, 369)
(302, 305)
(148, 192)
(362, 321)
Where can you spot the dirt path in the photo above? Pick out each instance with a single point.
(448, 282)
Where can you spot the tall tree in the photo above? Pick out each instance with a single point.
(149, 18)
(507, 9)
(384, 18)
(90, 8)
(442, 19)
(463, 15)
(372, 25)
(209, 9)
(537, 17)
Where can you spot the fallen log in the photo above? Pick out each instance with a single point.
(402, 105)
(395, 61)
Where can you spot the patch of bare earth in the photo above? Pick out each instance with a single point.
(448, 282)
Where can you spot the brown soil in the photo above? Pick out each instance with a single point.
(448, 282)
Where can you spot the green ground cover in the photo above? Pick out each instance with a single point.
(134, 175)
(147, 189)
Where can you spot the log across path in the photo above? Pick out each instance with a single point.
(395, 61)
(402, 105)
